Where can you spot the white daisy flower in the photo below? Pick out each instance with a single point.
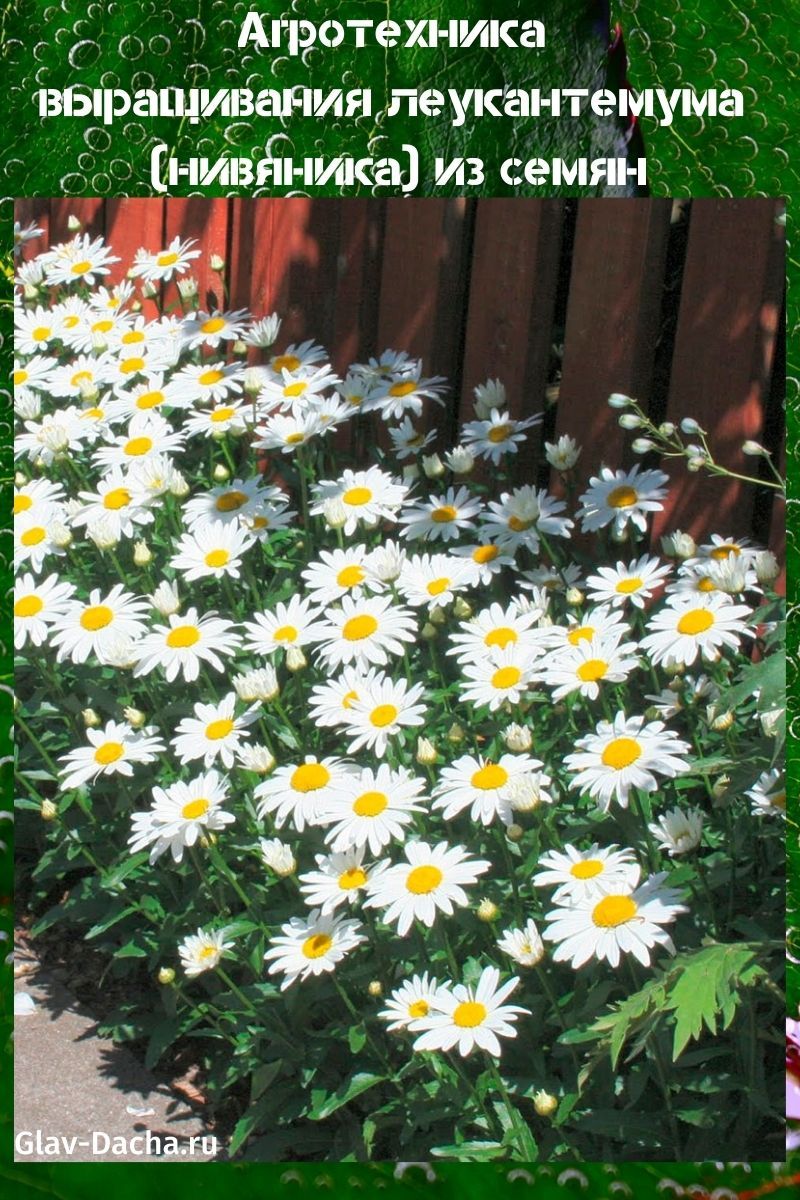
(330, 702)
(678, 831)
(470, 1018)
(598, 624)
(301, 791)
(365, 631)
(382, 709)
(635, 583)
(205, 383)
(503, 675)
(587, 874)
(78, 261)
(91, 628)
(213, 732)
(768, 795)
(34, 329)
(213, 551)
(203, 950)
(404, 393)
(584, 667)
(368, 496)
(497, 628)
(180, 647)
(287, 433)
(37, 606)
(295, 392)
(624, 922)
(38, 498)
(34, 373)
(371, 807)
(524, 945)
(112, 750)
(174, 259)
(209, 329)
(179, 815)
(617, 497)
(482, 785)
(296, 623)
(34, 541)
(435, 579)
(278, 856)
(445, 517)
(518, 517)
(722, 549)
(312, 946)
(408, 441)
(233, 418)
(487, 558)
(148, 436)
(625, 754)
(687, 628)
(338, 879)
(149, 395)
(497, 436)
(339, 573)
(241, 501)
(81, 376)
(431, 880)
(563, 454)
(296, 356)
(409, 1002)
(115, 503)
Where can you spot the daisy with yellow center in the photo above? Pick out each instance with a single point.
(239, 502)
(78, 261)
(338, 573)
(381, 710)
(159, 267)
(487, 558)
(365, 631)
(687, 628)
(301, 791)
(470, 1018)
(213, 551)
(203, 950)
(431, 880)
(95, 627)
(367, 497)
(768, 794)
(33, 539)
(123, 507)
(189, 640)
(502, 676)
(634, 583)
(435, 580)
(442, 517)
(35, 372)
(295, 356)
(498, 628)
(296, 393)
(232, 417)
(484, 785)
(34, 328)
(371, 807)
(148, 436)
(112, 750)
(583, 668)
(37, 606)
(181, 813)
(409, 1002)
(623, 921)
(214, 732)
(209, 329)
(206, 383)
(497, 436)
(518, 517)
(616, 498)
(626, 753)
(580, 874)
(402, 389)
(407, 441)
(339, 879)
(312, 946)
(295, 623)
(330, 703)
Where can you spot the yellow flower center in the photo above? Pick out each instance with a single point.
(358, 628)
(352, 878)
(444, 514)
(347, 701)
(19, 378)
(81, 377)
(506, 677)
(98, 616)
(592, 670)
(217, 558)
(285, 362)
(195, 808)
(622, 497)
(423, 880)
(28, 606)
(310, 777)
(706, 584)
(626, 586)
(383, 715)
(294, 439)
(403, 389)
(469, 1014)
(697, 620)
(102, 326)
(182, 636)
(129, 366)
(167, 259)
(484, 554)
(33, 536)
(499, 433)
(221, 414)
(370, 804)
(138, 446)
(420, 1008)
(92, 414)
(132, 337)
(357, 495)
(230, 501)
(71, 322)
(295, 389)
(520, 524)
(489, 777)
(79, 268)
(581, 633)
(778, 800)
(22, 503)
(285, 633)
(212, 325)
(351, 576)
(502, 637)
(117, 498)
(150, 399)
(613, 910)
(726, 551)
(41, 333)
(217, 730)
(209, 378)
(317, 945)
(587, 868)
(621, 753)
(206, 953)
(437, 586)
(109, 752)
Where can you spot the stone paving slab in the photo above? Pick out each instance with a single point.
(70, 1083)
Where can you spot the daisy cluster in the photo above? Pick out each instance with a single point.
(380, 682)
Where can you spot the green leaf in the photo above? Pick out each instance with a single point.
(356, 1038)
(706, 989)
(471, 1151)
(348, 1091)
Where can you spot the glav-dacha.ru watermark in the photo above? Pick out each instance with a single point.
(30, 1143)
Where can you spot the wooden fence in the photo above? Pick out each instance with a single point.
(678, 304)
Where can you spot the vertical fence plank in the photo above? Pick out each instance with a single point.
(91, 212)
(612, 320)
(207, 221)
(724, 347)
(358, 276)
(130, 225)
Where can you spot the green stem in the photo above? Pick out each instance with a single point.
(248, 1004)
(33, 739)
(520, 1135)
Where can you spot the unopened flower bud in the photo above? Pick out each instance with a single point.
(187, 288)
(134, 716)
(375, 988)
(719, 791)
(166, 976)
(73, 223)
(563, 454)
(460, 460)
(19, 479)
(630, 421)
(433, 466)
(767, 568)
(426, 752)
(574, 596)
(165, 599)
(239, 347)
(257, 758)
(690, 426)
(515, 833)
(462, 608)
(142, 554)
(518, 738)
(544, 1103)
(179, 486)
(428, 631)
(679, 545)
(666, 429)
(149, 290)
(455, 733)
(642, 445)
(208, 839)
(278, 856)
(722, 722)
(295, 658)
(30, 291)
(438, 616)
(48, 810)
(221, 473)
(90, 718)
(217, 263)
(261, 684)
(618, 400)
(754, 449)
(135, 305)
(487, 910)
(103, 534)
(334, 512)
(59, 534)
